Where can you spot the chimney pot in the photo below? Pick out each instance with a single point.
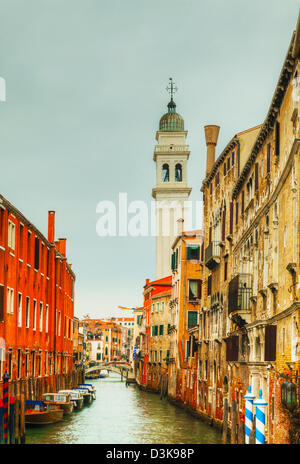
(211, 138)
(51, 226)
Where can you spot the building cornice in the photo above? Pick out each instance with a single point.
(170, 190)
(274, 110)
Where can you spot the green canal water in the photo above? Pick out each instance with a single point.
(123, 415)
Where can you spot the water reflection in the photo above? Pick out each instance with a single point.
(123, 415)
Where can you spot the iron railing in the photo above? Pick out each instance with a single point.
(239, 293)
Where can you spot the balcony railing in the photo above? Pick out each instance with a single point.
(212, 255)
(239, 293)
(168, 148)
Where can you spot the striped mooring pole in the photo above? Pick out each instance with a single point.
(248, 414)
(5, 406)
(260, 404)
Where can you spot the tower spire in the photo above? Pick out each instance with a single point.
(171, 89)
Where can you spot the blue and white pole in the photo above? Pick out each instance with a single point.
(260, 404)
(248, 414)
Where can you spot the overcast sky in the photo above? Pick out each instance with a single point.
(86, 86)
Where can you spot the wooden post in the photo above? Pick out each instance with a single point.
(252, 439)
(233, 423)
(22, 418)
(17, 419)
(12, 420)
(1, 421)
(241, 434)
(225, 421)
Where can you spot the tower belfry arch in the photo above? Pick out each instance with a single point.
(171, 154)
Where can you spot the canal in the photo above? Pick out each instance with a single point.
(123, 415)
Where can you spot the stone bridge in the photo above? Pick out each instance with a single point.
(120, 367)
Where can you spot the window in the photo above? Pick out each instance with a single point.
(11, 235)
(46, 318)
(29, 247)
(193, 252)
(188, 347)
(161, 330)
(160, 355)
(21, 241)
(34, 314)
(194, 289)
(19, 363)
(165, 173)
(162, 305)
(157, 307)
(192, 319)
(225, 270)
(277, 138)
(19, 310)
(46, 358)
(1, 301)
(209, 285)
(178, 173)
(232, 159)
(41, 317)
(1, 226)
(27, 312)
(10, 301)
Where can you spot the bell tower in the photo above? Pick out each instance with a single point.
(171, 155)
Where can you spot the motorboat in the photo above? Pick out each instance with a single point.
(86, 394)
(90, 388)
(40, 413)
(75, 397)
(61, 400)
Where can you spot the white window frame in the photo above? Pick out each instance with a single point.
(47, 318)
(11, 239)
(27, 314)
(20, 309)
(41, 316)
(34, 315)
(10, 301)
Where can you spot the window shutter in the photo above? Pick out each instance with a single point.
(209, 285)
(256, 176)
(236, 212)
(1, 302)
(232, 158)
(36, 253)
(192, 318)
(243, 202)
(268, 157)
(173, 261)
(210, 233)
(277, 138)
(232, 348)
(231, 218)
(223, 224)
(176, 258)
(270, 342)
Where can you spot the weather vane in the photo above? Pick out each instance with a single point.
(171, 88)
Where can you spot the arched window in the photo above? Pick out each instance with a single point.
(165, 173)
(178, 173)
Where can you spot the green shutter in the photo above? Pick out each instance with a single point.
(192, 318)
(173, 261)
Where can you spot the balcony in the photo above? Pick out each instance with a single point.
(239, 293)
(212, 255)
(169, 148)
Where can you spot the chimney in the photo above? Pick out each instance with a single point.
(180, 226)
(51, 226)
(211, 137)
(62, 246)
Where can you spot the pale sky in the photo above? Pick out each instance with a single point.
(86, 86)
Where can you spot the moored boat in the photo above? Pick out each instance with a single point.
(61, 400)
(75, 397)
(90, 388)
(39, 413)
(87, 396)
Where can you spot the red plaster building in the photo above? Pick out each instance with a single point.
(151, 289)
(36, 298)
